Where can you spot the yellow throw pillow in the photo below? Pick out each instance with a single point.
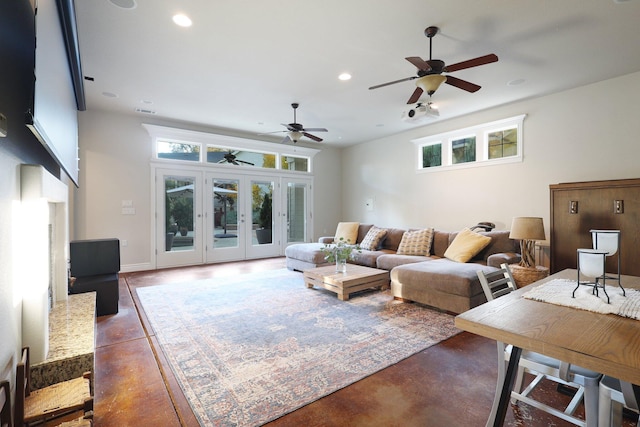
(416, 242)
(348, 231)
(466, 245)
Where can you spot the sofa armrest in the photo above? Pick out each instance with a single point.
(326, 240)
(496, 260)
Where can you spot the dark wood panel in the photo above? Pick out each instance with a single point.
(595, 211)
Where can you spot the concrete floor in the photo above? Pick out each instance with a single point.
(450, 384)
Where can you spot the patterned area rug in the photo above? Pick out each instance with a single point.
(251, 348)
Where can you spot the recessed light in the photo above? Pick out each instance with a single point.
(515, 82)
(109, 94)
(182, 20)
(146, 101)
(344, 76)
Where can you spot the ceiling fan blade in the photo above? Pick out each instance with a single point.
(246, 163)
(415, 96)
(315, 138)
(286, 139)
(289, 127)
(393, 82)
(269, 133)
(420, 63)
(314, 130)
(462, 84)
(487, 59)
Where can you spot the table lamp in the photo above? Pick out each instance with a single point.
(527, 229)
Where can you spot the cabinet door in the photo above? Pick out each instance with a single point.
(595, 210)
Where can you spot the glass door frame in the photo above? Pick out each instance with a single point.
(169, 258)
(202, 251)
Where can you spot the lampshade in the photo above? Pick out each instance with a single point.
(295, 136)
(527, 228)
(430, 83)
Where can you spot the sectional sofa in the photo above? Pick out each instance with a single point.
(439, 278)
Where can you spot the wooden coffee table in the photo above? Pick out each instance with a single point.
(356, 278)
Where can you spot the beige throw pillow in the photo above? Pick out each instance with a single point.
(416, 242)
(466, 245)
(348, 231)
(374, 238)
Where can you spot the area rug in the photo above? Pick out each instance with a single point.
(249, 349)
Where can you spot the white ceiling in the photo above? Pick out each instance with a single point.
(243, 62)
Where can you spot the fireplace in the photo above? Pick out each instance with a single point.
(42, 242)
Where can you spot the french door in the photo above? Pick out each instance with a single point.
(297, 210)
(242, 217)
(207, 217)
(178, 222)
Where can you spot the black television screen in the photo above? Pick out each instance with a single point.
(54, 117)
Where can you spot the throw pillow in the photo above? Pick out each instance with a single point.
(416, 242)
(466, 245)
(374, 238)
(348, 231)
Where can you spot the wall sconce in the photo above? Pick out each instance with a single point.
(618, 206)
(573, 207)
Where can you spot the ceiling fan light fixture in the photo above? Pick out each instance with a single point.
(295, 136)
(430, 83)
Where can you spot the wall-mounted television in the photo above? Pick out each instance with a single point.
(58, 92)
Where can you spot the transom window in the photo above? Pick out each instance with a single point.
(179, 145)
(490, 143)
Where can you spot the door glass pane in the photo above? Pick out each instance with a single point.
(262, 212)
(225, 213)
(296, 212)
(179, 207)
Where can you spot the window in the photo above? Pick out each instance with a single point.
(486, 144)
(291, 163)
(503, 143)
(178, 151)
(463, 150)
(181, 145)
(432, 155)
(240, 157)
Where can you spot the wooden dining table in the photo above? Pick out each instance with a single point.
(605, 343)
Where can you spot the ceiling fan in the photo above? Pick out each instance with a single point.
(295, 130)
(429, 76)
(231, 158)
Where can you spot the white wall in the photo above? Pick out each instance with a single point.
(585, 134)
(115, 154)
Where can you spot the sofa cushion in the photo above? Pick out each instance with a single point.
(306, 252)
(389, 261)
(347, 231)
(416, 242)
(392, 241)
(441, 241)
(441, 275)
(500, 243)
(374, 238)
(466, 245)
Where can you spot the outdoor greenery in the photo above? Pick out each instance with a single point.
(266, 212)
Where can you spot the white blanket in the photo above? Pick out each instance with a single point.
(559, 291)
